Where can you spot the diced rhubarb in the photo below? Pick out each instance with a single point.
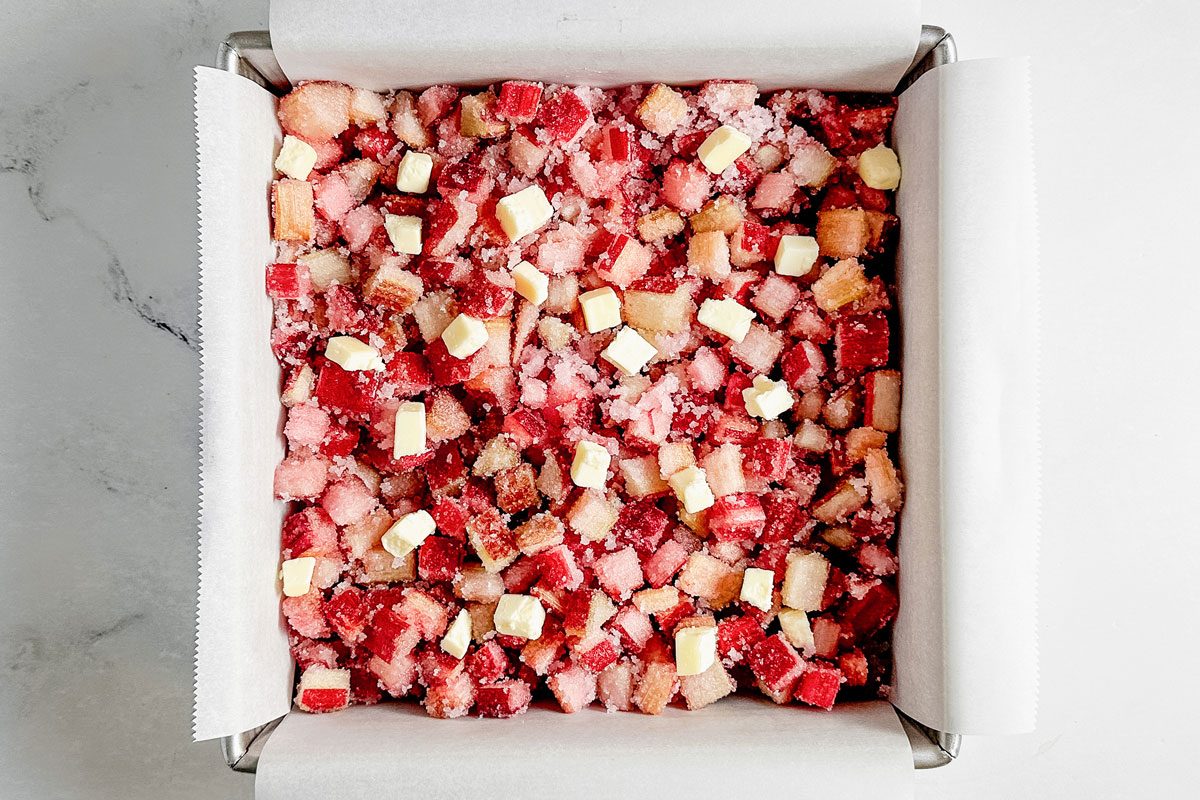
(819, 686)
(518, 101)
(775, 663)
(563, 116)
(503, 699)
(736, 517)
(322, 690)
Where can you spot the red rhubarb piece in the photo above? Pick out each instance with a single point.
(819, 686)
(861, 342)
(504, 699)
(563, 116)
(518, 101)
(288, 281)
(775, 663)
(736, 517)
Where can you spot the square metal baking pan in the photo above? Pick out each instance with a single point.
(249, 54)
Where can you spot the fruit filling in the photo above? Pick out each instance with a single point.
(590, 395)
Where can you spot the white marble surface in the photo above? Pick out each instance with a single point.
(98, 398)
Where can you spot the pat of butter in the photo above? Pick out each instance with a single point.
(695, 650)
(879, 167)
(407, 533)
(352, 355)
(727, 317)
(296, 158)
(601, 309)
(628, 351)
(691, 487)
(519, 615)
(413, 173)
(523, 212)
(589, 469)
(797, 630)
(531, 282)
(297, 575)
(405, 233)
(410, 430)
(722, 148)
(767, 398)
(796, 254)
(757, 587)
(464, 336)
(458, 636)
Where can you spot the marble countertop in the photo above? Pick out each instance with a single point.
(98, 386)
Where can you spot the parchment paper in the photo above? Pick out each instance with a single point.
(736, 748)
(965, 641)
(383, 44)
(243, 669)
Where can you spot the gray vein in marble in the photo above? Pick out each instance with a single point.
(30, 652)
(25, 156)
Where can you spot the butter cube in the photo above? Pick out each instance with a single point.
(796, 254)
(458, 635)
(757, 587)
(523, 212)
(589, 469)
(519, 615)
(767, 398)
(405, 233)
(691, 487)
(695, 650)
(722, 148)
(464, 336)
(352, 355)
(412, 175)
(532, 283)
(601, 309)
(727, 317)
(797, 630)
(297, 575)
(410, 430)
(407, 533)
(879, 167)
(628, 351)
(296, 158)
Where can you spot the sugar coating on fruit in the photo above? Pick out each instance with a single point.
(409, 430)
(406, 534)
(404, 232)
(795, 255)
(530, 282)
(524, 212)
(691, 487)
(458, 635)
(353, 355)
(412, 175)
(519, 615)
(296, 574)
(695, 650)
(727, 317)
(296, 158)
(879, 167)
(629, 351)
(464, 336)
(589, 468)
(722, 148)
(601, 309)
(617, 360)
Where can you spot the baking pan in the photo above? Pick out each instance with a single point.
(249, 54)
